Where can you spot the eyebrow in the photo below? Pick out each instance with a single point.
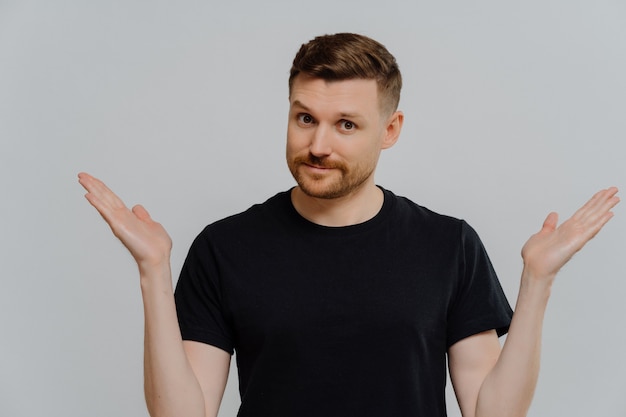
(298, 103)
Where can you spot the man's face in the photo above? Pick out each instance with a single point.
(334, 136)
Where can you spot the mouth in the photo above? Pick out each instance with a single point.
(313, 166)
(317, 169)
(316, 166)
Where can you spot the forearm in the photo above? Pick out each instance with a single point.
(171, 388)
(509, 388)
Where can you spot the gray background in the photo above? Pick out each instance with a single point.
(512, 110)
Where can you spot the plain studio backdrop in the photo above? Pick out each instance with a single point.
(512, 110)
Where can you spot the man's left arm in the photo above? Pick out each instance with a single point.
(489, 381)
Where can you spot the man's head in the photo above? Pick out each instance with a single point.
(347, 56)
(343, 94)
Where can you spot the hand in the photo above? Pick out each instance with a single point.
(147, 240)
(547, 251)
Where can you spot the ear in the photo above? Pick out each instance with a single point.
(392, 130)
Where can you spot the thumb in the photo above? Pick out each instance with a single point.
(141, 213)
(549, 224)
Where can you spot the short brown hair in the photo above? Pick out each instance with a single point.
(345, 56)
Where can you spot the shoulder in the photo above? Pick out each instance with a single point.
(406, 210)
(257, 217)
(408, 217)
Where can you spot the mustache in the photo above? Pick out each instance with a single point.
(322, 162)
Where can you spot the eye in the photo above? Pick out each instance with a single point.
(305, 118)
(347, 125)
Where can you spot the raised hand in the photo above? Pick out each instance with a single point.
(547, 251)
(147, 240)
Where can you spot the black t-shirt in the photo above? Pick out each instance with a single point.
(339, 321)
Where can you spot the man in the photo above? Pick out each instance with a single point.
(339, 297)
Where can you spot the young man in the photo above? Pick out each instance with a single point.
(339, 297)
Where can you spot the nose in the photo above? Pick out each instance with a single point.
(321, 142)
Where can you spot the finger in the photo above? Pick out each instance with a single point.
(141, 213)
(108, 205)
(599, 202)
(605, 199)
(596, 212)
(612, 197)
(599, 224)
(102, 208)
(591, 225)
(95, 201)
(84, 179)
(606, 207)
(549, 224)
(591, 231)
(103, 193)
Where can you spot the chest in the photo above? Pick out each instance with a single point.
(339, 292)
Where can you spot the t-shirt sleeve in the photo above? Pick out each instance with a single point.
(199, 298)
(479, 303)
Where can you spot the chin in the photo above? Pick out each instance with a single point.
(316, 190)
(327, 191)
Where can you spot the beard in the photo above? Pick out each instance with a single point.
(339, 181)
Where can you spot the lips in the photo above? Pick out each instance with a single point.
(318, 166)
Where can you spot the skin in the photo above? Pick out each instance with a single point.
(336, 132)
(180, 377)
(490, 382)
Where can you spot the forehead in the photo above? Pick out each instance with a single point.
(344, 96)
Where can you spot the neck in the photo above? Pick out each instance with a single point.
(357, 207)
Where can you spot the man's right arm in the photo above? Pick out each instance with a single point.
(181, 378)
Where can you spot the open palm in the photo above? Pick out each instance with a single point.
(547, 251)
(147, 241)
